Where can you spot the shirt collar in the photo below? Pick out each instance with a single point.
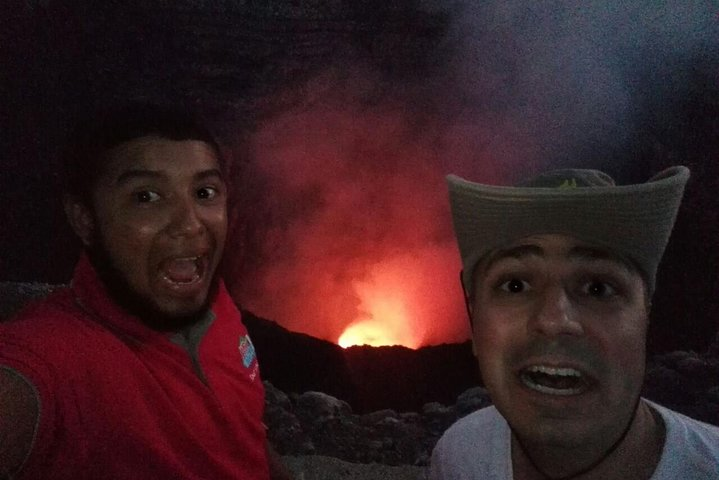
(92, 295)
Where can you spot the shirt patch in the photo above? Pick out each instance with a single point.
(247, 350)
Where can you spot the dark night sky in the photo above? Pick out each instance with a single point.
(347, 115)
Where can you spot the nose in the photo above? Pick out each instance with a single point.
(554, 314)
(186, 219)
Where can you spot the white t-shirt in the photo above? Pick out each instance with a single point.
(478, 446)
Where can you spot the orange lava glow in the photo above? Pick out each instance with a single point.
(386, 318)
(356, 241)
(386, 325)
(366, 333)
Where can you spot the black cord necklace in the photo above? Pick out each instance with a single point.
(592, 465)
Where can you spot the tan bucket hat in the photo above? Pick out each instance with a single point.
(633, 221)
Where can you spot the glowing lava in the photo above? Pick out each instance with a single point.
(368, 332)
(385, 319)
(387, 324)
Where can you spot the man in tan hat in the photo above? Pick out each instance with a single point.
(559, 274)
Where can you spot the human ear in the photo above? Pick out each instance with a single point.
(80, 219)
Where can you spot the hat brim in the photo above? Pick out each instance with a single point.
(635, 221)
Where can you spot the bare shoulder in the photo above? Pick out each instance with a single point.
(19, 415)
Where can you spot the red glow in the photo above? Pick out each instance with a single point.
(358, 245)
(384, 320)
(367, 332)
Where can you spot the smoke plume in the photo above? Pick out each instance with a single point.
(355, 218)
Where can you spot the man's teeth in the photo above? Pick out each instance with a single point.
(562, 372)
(182, 270)
(553, 380)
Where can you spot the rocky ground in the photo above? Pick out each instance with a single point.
(321, 438)
(314, 423)
(319, 467)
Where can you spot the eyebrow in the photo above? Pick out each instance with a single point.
(134, 174)
(211, 173)
(517, 252)
(143, 174)
(579, 252)
(583, 252)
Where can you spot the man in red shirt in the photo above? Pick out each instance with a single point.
(142, 368)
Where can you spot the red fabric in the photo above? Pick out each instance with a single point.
(121, 401)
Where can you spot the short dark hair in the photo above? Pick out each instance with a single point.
(88, 145)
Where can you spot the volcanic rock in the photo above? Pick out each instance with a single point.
(318, 467)
(318, 423)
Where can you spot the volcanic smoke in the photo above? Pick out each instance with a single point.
(360, 249)
(357, 244)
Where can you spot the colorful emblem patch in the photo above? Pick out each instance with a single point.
(247, 350)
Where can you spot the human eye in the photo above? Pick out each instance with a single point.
(598, 288)
(208, 192)
(146, 196)
(513, 285)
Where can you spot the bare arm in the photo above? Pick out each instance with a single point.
(19, 415)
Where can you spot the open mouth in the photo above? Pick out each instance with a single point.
(562, 381)
(182, 271)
